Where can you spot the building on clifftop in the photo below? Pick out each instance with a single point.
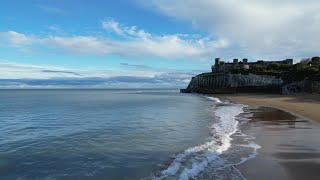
(222, 66)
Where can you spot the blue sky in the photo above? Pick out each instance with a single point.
(83, 18)
(145, 43)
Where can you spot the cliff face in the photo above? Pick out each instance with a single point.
(232, 83)
(239, 80)
(301, 86)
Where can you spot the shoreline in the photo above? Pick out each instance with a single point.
(287, 129)
(289, 146)
(305, 106)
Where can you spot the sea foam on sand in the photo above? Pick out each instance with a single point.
(210, 151)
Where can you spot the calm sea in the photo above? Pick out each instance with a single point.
(117, 134)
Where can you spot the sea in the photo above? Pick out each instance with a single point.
(121, 134)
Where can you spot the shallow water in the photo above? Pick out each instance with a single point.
(115, 134)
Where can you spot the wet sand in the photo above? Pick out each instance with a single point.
(290, 146)
(306, 105)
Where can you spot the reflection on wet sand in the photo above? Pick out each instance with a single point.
(290, 146)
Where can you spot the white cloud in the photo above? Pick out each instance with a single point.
(126, 31)
(11, 70)
(18, 39)
(266, 28)
(80, 44)
(114, 26)
(134, 43)
(16, 75)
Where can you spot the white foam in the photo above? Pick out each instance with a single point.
(214, 99)
(253, 155)
(220, 143)
(244, 159)
(175, 165)
(228, 124)
(223, 129)
(198, 167)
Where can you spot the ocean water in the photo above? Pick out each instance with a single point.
(120, 134)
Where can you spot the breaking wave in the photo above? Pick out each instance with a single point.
(214, 99)
(195, 160)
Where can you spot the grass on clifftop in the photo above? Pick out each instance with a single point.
(307, 69)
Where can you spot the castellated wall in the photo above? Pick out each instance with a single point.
(232, 83)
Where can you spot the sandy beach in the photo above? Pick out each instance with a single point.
(290, 146)
(287, 129)
(306, 105)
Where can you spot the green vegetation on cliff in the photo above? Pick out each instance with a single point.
(307, 69)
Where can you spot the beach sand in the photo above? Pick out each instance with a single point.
(306, 105)
(290, 144)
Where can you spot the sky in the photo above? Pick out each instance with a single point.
(145, 43)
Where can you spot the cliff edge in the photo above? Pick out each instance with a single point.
(281, 77)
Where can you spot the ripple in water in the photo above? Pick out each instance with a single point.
(216, 158)
(119, 134)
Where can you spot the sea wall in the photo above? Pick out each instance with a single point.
(315, 87)
(232, 83)
(306, 86)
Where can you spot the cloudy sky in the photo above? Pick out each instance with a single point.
(145, 43)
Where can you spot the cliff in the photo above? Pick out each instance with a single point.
(233, 83)
(261, 76)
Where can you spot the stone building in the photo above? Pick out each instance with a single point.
(222, 66)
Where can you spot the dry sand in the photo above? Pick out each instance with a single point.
(306, 105)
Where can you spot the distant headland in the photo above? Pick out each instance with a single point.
(261, 76)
